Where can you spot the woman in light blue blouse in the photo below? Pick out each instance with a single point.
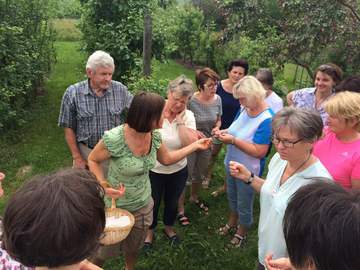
(248, 139)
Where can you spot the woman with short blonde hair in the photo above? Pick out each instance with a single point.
(248, 140)
(250, 87)
(339, 149)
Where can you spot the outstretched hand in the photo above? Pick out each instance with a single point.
(112, 192)
(277, 264)
(238, 170)
(203, 144)
(2, 176)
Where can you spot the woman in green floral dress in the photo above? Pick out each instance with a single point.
(133, 149)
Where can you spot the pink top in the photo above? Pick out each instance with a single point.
(342, 160)
(7, 263)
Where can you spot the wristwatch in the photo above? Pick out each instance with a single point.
(250, 179)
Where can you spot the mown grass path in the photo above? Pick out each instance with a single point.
(40, 146)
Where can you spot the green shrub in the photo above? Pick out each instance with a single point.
(26, 53)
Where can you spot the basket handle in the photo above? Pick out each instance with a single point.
(113, 204)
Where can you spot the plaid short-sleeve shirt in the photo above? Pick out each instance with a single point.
(90, 115)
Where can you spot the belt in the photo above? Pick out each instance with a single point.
(88, 146)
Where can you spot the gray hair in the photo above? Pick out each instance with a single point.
(99, 59)
(181, 86)
(265, 76)
(306, 124)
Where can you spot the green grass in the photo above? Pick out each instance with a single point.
(67, 30)
(299, 81)
(41, 145)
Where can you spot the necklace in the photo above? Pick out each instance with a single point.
(295, 171)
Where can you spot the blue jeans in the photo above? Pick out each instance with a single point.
(241, 199)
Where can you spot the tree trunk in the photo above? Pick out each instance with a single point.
(147, 42)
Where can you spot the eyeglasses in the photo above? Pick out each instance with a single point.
(211, 85)
(285, 143)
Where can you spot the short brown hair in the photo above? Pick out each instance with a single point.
(202, 75)
(55, 220)
(332, 70)
(145, 110)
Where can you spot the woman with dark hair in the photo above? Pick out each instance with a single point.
(236, 70)
(294, 133)
(54, 222)
(133, 149)
(327, 76)
(321, 228)
(351, 83)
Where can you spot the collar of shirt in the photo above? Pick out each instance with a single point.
(88, 90)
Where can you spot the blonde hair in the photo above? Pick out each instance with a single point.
(346, 105)
(250, 87)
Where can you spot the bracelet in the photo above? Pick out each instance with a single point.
(233, 140)
(181, 124)
(250, 179)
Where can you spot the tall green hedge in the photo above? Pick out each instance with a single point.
(26, 53)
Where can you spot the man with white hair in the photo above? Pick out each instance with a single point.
(91, 107)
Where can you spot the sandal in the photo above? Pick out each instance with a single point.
(173, 240)
(205, 183)
(226, 229)
(183, 220)
(238, 240)
(218, 192)
(202, 205)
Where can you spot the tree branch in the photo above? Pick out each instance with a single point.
(351, 8)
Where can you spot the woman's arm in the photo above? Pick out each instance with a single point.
(96, 156)
(289, 98)
(252, 149)
(216, 126)
(166, 157)
(239, 171)
(187, 128)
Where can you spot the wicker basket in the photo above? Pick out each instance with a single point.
(113, 235)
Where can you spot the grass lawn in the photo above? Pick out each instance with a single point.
(39, 147)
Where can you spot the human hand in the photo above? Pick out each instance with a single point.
(79, 163)
(2, 176)
(86, 265)
(239, 171)
(277, 264)
(215, 130)
(203, 144)
(180, 117)
(200, 135)
(115, 193)
(226, 137)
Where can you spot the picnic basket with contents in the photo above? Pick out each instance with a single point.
(119, 223)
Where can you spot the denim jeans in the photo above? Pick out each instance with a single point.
(241, 199)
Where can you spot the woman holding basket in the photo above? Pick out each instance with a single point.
(133, 149)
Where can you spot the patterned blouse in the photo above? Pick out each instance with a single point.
(305, 99)
(132, 171)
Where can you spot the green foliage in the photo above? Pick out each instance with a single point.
(26, 53)
(309, 32)
(67, 9)
(115, 27)
(188, 31)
